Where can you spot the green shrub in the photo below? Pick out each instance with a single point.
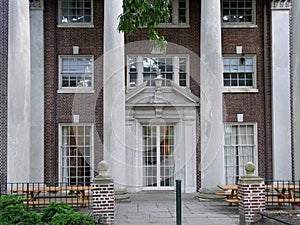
(7, 200)
(53, 209)
(72, 218)
(12, 212)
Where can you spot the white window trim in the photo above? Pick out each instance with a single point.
(239, 89)
(60, 145)
(255, 155)
(175, 23)
(175, 68)
(75, 25)
(240, 24)
(61, 89)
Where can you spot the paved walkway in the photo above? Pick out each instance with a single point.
(159, 208)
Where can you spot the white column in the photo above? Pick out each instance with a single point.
(114, 92)
(211, 96)
(18, 145)
(281, 107)
(296, 85)
(37, 93)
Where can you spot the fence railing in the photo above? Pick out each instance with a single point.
(39, 195)
(282, 192)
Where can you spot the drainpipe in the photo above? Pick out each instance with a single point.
(265, 66)
(55, 147)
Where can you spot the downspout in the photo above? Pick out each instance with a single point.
(56, 147)
(291, 94)
(265, 66)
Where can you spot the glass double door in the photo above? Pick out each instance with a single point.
(158, 157)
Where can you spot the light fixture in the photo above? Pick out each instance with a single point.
(239, 49)
(75, 50)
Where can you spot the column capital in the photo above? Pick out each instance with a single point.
(280, 4)
(36, 4)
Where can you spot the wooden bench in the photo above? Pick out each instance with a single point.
(47, 202)
(225, 194)
(279, 201)
(43, 195)
(232, 200)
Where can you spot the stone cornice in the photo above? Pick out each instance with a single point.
(281, 4)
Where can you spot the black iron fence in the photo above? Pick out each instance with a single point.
(40, 195)
(282, 192)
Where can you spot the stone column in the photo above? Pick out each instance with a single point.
(296, 84)
(281, 89)
(114, 92)
(251, 194)
(37, 91)
(103, 196)
(19, 86)
(211, 113)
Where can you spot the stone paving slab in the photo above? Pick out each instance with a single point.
(159, 208)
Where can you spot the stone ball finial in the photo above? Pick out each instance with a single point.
(250, 169)
(102, 169)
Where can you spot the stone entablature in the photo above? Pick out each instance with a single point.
(281, 4)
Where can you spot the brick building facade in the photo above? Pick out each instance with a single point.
(216, 114)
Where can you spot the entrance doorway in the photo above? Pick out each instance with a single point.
(158, 157)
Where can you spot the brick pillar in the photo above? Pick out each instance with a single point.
(251, 193)
(104, 196)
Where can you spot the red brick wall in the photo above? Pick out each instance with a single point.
(60, 107)
(252, 105)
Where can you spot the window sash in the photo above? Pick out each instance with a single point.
(76, 11)
(239, 149)
(76, 154)
(179, 13)
(76, 72)
(239, 72)
(238, 11)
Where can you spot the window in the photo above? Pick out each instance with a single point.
(75, 12)
(76, 74)
(76, 154)
(238, 12)
(239, 72)
(144, 69)
(179, 11)
(240, 148)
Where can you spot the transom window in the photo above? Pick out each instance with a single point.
(145, 69)
(239, 71)
(238, 12)
(76, 72)
(240, 148)
(76, 154)
(76, 12)
(178, 10)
